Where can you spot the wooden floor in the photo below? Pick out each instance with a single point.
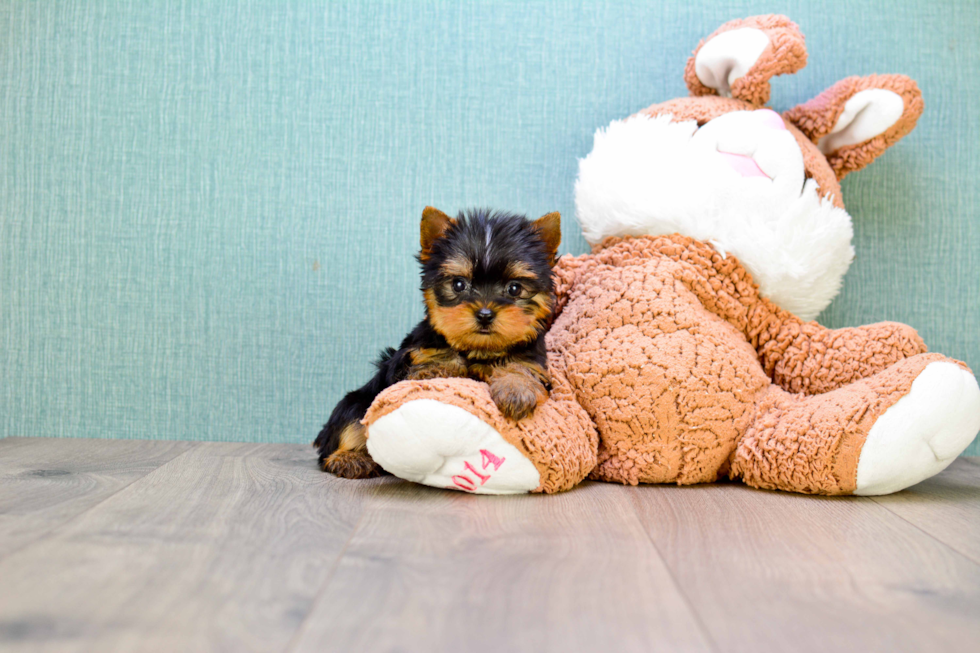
(177, 546)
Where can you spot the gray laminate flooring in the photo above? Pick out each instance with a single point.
(121, 545)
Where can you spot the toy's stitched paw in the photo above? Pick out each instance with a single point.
(516, 395)
(444, 446)
(922, 433)
(351, 464)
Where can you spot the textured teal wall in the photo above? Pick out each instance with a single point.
(208, 210)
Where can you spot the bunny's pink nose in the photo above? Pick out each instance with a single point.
(770, 118)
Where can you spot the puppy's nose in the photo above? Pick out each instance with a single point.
(484, 316)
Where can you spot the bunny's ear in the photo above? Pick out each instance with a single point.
(854, 121)
(742, 55)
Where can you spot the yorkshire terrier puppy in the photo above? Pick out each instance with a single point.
(486, 279)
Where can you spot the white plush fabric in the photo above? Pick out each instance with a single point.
(655, 176)
(922, 433)
(867, 114)
(728, 56)
(444, 446)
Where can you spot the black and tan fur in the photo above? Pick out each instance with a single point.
(486, 280)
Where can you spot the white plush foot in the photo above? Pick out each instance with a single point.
(922, 433)
(444, 446)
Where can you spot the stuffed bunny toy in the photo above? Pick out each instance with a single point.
(681, 350)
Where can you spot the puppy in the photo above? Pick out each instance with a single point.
(487, 284)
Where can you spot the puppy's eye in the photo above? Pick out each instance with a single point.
(459, 285)
(514, 289)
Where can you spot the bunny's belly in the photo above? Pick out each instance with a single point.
(669, 384)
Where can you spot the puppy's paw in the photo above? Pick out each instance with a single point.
(516, 395)
(435, 364)
(423, 372)
(351, 464)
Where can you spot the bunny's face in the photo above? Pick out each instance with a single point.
(751, 182)
(757, 147)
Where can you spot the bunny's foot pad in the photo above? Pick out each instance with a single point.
(437, 444)
(922, 433)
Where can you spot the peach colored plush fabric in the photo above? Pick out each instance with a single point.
(698, 109)
(668, 367)
(785, 54)
(816, 166)
(818, 116)
(811, 443)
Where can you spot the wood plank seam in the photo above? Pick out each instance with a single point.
(54, 529)
(673, 578)
(931, 536)
(297, 636)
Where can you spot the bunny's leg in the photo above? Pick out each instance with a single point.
(875, 436)
(812, 359)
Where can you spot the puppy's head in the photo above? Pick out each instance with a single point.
(486, 277)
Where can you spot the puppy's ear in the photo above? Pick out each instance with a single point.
(434, 226)
(549, 226)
